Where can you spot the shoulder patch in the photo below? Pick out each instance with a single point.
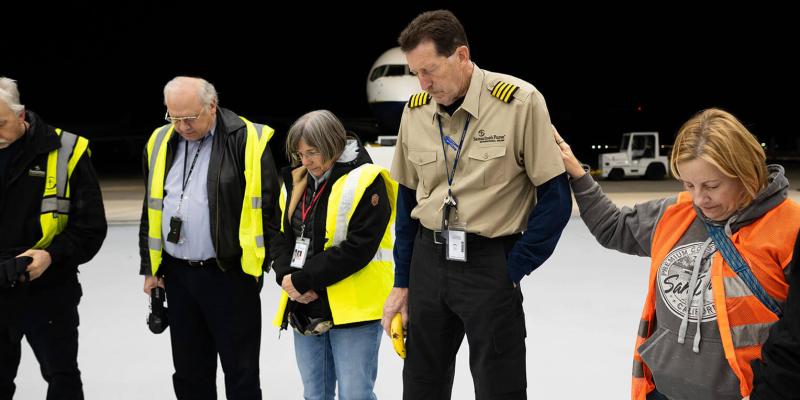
(419, 99)
(504, 91)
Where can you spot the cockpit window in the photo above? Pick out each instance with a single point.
(389, 70)
(396, 70)
(377, 72)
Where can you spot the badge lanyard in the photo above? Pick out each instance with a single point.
(302, 244)
(176, 221)
(450, 201)
(187, 176)
(305, 211)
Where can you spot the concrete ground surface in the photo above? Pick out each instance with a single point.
(582, 310)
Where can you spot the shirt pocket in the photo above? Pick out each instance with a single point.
(425, 166)
(491, 161)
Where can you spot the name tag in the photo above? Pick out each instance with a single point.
(37, 173)
(300, 252)
(456, 245)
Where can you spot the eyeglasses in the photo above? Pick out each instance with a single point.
(309, 154)
(188, 120)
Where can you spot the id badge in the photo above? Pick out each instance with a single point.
(174, 234)
(300, 252)
(457, 243)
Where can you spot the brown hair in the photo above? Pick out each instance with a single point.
(440, 26)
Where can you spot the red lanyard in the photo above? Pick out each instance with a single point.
(303, 210)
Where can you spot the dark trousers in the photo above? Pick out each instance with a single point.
(48, 319)
(656, 395)
(212, 313)
(448, 299)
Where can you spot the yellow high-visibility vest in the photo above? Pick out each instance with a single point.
(61, 163)
(360, 296)
(251, 226)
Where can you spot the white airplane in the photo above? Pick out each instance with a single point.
(389, 86)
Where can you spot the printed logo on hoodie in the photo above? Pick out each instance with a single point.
(674, 278)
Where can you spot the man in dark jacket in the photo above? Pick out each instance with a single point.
(777, 374)
(208, 248)
(45, 309)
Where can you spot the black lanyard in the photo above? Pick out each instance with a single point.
(451, 175)
(191, 168)
(450, 201)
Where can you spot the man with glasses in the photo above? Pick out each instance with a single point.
(477, 165)
(212, 191)
(51, 221)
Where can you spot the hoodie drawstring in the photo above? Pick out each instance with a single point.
(701, 309)
(698, 262)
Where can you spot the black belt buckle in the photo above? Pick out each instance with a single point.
(201, 263)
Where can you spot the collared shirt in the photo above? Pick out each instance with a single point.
(507, 151)
(195, 242)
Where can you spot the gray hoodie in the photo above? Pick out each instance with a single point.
(682, 369)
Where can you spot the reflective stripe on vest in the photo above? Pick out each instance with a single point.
(61, 163)
(251, 227)
(360, 296)
(742, 319)
(251, 224)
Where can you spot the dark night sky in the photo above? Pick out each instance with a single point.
(99, 70)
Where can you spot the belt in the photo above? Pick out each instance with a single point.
(211, 262)
(439, 238)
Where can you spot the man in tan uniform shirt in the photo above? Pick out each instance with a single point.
(474, 152)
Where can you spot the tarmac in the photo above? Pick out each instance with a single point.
(582, 310)
(123, 196)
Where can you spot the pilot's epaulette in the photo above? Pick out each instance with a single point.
(419, 99)
(504, 91)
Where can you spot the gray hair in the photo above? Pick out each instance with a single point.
(320, 129)
(9, 94)
(205, 90)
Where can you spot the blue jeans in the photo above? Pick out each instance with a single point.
(348, 356)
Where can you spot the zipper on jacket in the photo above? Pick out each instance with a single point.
(216, 205)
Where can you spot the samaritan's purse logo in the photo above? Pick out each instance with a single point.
(674, 277)
(484, 137)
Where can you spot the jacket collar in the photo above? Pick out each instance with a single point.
(39, 138)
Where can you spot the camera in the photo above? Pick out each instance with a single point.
(14, 271)
(157, 320)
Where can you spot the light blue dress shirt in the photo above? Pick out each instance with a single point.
(195, 240)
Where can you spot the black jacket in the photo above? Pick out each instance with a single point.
(777, 374)
(20, 207)
(226, 185)
(364, 234)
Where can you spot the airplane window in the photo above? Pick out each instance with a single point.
(377, 72)
(396, 70)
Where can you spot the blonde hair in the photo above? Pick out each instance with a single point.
(717, 137)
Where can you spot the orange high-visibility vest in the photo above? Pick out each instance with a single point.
(766, 245)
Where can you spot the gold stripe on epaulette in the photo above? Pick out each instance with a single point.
(504, 91)
(419, 99)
